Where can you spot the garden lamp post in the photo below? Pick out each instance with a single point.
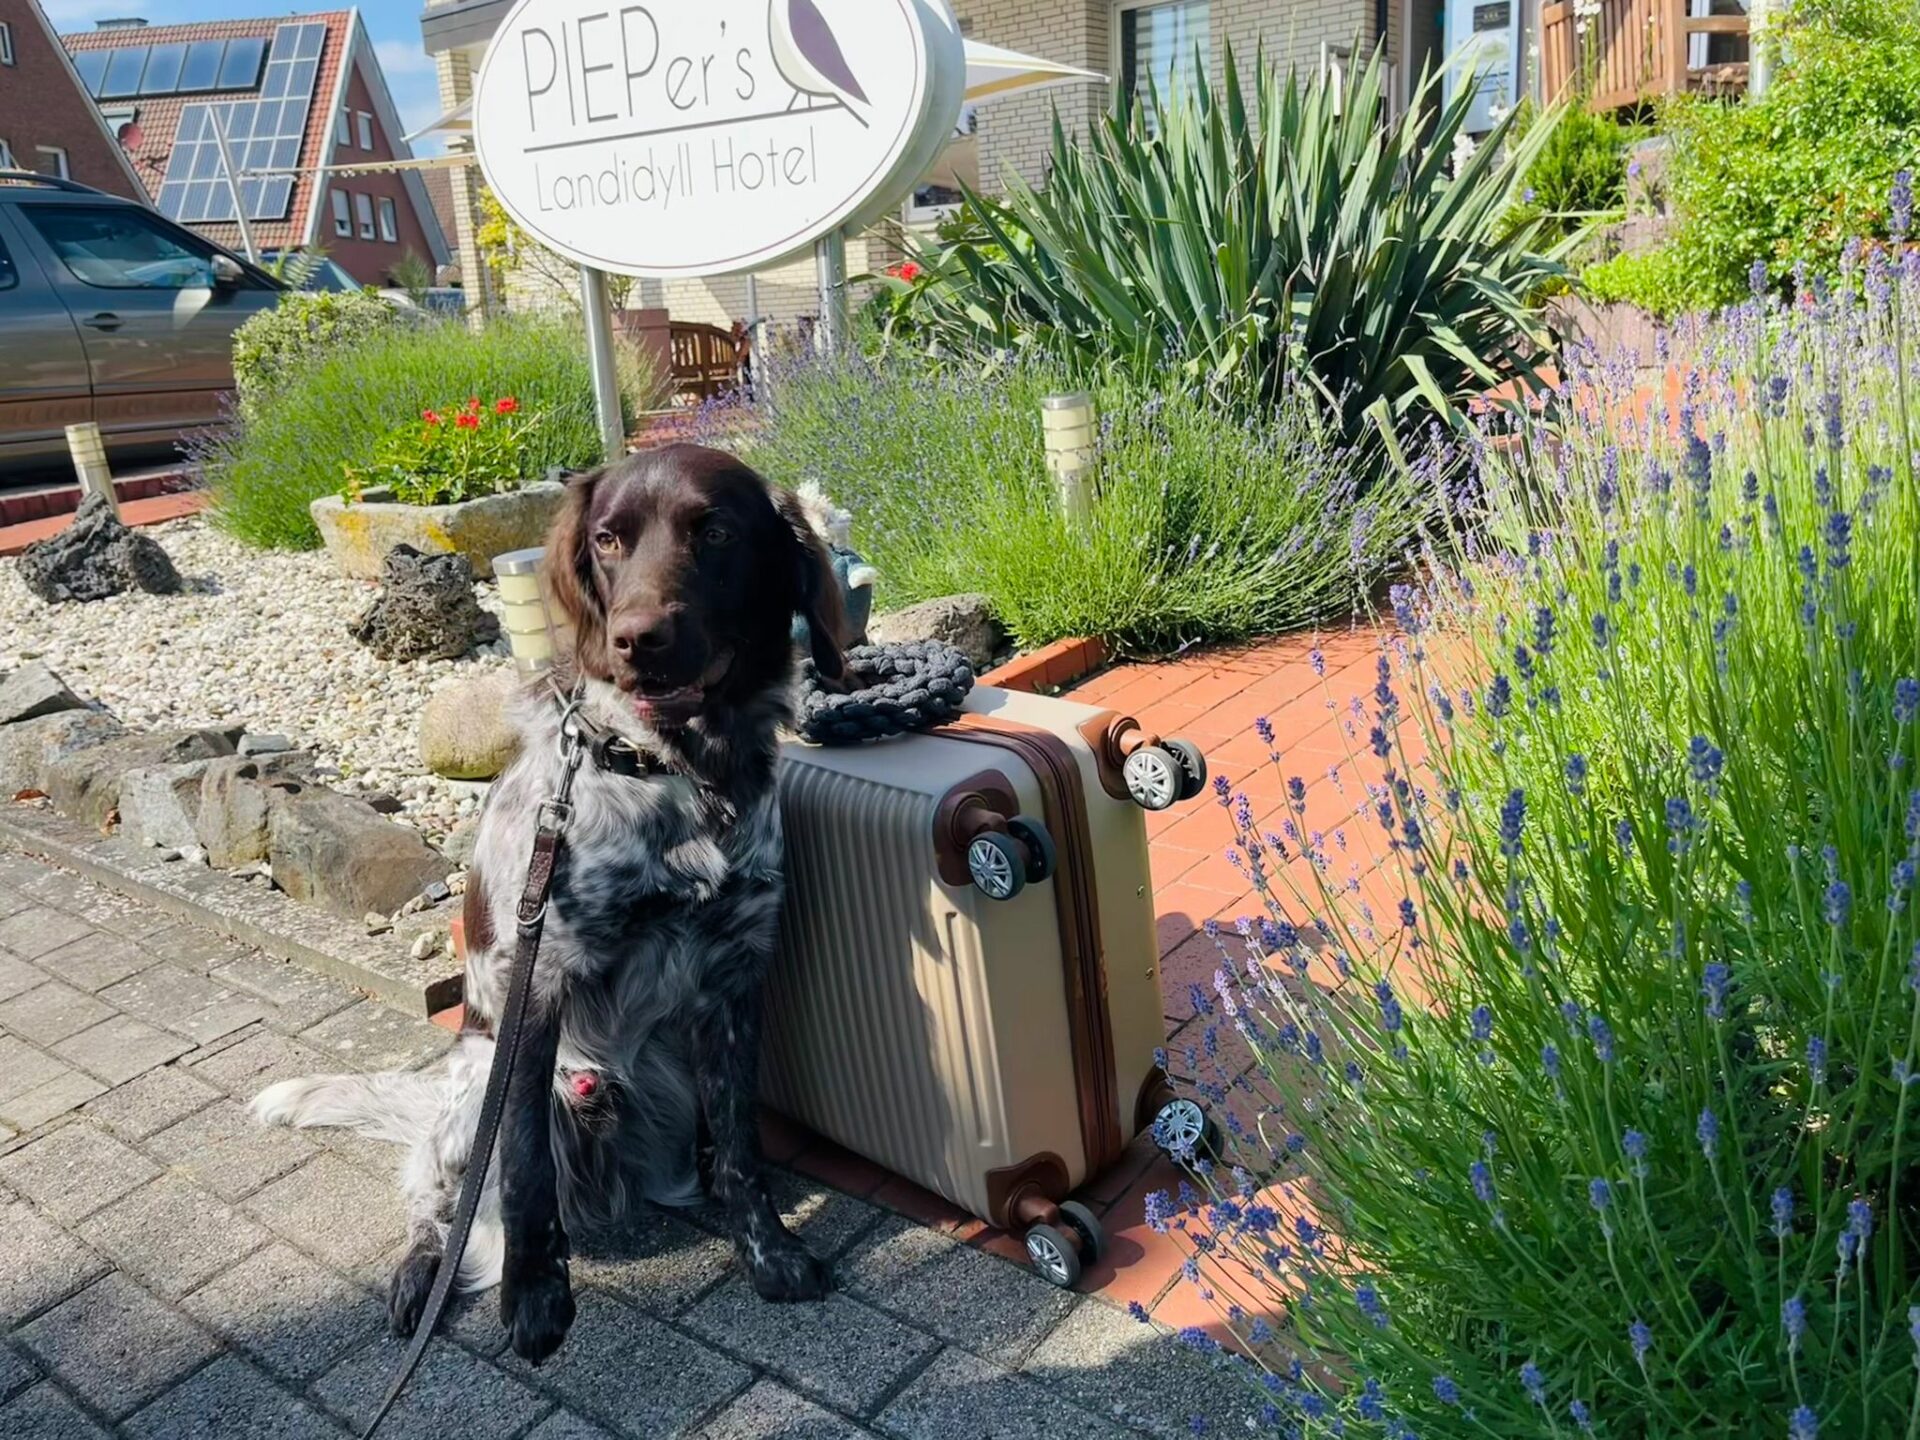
(1069, 426)
(529, 627)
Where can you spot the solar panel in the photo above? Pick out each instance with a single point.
(123, 71)
(203, 64)
(241, 69)
(163, 70)
(92, 65)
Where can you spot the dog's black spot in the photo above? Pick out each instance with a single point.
(411, 1283)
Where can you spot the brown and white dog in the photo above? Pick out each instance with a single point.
(680, 572)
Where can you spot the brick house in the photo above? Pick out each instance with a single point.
(47, 121)
(294, 94)
(1128, 40)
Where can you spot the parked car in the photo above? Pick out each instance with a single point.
(312, 270)
(111, 312)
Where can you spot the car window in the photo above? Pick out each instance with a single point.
(118, 248)
(9, 277)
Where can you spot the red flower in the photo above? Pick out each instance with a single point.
(906, 270)
(505, 405)
(467, 420)
(473, 404)
(432, 417)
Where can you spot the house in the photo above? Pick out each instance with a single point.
(47, 121)
(293, 94)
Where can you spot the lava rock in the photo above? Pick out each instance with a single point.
(425, 609)
(32, 691)
(465, 732)
(30, 749)
(330, 849)
(85, 786)
(966, 622)
(96, 556)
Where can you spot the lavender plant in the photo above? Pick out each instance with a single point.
(1603, 1126)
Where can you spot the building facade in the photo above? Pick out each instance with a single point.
(291, 96)
(48, 122)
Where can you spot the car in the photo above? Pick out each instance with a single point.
(110, 312)
(314, 270)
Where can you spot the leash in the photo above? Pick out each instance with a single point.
(532, 918)
(892, 689)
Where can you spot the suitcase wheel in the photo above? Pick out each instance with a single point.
(1183, 1129)
(1193, 767)
(998, 864)
(1154, 778)
(1042, 860)
(1055, 1256)
(1079, 1219)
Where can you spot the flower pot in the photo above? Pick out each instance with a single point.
(358, 536)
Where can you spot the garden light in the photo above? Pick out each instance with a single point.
(1068, 424)
(529, 628)
(90, 462)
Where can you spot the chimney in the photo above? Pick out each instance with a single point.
(130, 22)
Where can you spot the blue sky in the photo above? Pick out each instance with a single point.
(393, 24)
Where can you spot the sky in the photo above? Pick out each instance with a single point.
(393, 24)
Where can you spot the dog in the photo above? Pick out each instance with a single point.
(679, 571)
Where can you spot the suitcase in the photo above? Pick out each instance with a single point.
(967, 990)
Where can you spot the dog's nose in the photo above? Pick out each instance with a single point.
(642, 635)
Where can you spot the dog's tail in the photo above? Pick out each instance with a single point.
(397, 1106)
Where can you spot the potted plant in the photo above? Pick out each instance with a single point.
(447, 481)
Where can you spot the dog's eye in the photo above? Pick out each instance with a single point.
(607, 543)
(716, 535)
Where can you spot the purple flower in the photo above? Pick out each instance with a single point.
(1708, 1133)
(1482, 1023)
(1550, 1061)
(1391, 1016)
(1714, 980)
(1599, 1194)
(1445, 1391)
(1601, 1034)
(1513, 819)
(1860, 1221)
(1534, 1383)
(1906, 700)
(1757, 279)
(1499, 697)
(1159, 1211)
(1581, 1415)
(1577, 773)
(1803, 1424)
(1371, 1305)
(1705, 760)
(1640, 1336)
(1481, 1178)
(1900, 206)
(1318, 661)
(1635, 1144)
(1793, 1319)
(1838, 903)
(1817, 1059)
(1782, 1213)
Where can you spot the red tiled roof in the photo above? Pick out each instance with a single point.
(159, 116)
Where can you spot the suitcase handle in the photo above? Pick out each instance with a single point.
(1136, 764)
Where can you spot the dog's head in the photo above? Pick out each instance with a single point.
(680, 571)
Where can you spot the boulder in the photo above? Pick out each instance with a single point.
(160, 804)
(458, 846)
(332, 850)
(29, 749)
(360, 536)
(967, 622)
(85, 786)
(465, 733)
(96, 556)
(425, 609)
(32, 691)
(235, 795)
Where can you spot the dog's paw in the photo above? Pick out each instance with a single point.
(408, 1290)
(536, 1307)
(789, 1271)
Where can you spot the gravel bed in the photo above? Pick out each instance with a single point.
(258, 639)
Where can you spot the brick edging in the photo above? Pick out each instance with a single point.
(1051, 667)
(47, 503)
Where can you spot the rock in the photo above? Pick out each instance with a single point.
(251, 744)
(235, 796)
(437, 892)
(168, 855)
(465, 733)
(966, 622)
(30, 749)
(425, 609)
(330, 849)
(425, 944)
(160, 803)
(96, 556)
(85, 786)
(458, 846)
(358, 537)
(377, 924)
(32, 691)
(385, 804)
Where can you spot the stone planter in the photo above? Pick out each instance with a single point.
(359, 536)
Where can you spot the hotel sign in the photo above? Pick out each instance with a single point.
(671, 138)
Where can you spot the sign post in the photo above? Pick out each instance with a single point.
(598, 309)
(830, 262)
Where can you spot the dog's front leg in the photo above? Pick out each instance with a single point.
(536, 1300)
(727, 1057)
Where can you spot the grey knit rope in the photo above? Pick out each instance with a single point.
(892, 689)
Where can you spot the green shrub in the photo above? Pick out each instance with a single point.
(1603, 1128)
(1654, 280)
(1313, 239)
(336, 412)
(303, 327)
(1580, 175)
(1206, 526)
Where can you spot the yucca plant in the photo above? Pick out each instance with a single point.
(1312, 233)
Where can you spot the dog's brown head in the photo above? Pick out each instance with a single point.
(680, 571)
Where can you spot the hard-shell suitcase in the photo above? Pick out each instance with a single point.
(967, 990)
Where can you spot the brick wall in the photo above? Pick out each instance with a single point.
(42, 104)
(370, 262)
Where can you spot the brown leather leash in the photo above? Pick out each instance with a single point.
(532, 918)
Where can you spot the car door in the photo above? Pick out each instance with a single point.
(157, 325)
(43, 365)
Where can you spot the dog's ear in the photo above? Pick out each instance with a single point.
(569, 576)
(816, 590)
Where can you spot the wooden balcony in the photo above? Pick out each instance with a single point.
(1633, 51)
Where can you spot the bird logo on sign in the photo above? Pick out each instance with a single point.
(809, 58)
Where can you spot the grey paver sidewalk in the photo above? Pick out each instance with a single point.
(170, 1271)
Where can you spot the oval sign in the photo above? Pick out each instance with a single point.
(670, 138)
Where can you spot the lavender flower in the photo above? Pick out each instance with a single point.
(1803, 1424)
(1714, 981)
(1499, 697)
(1708, 1133)
(1371, 1305)
(1391, 1016)
(1482, 1023)
(1635, 1144)
(1513, 819)
(1581, 1415)
(1817, 1059)
(1481, 1177)
(1838, 905)
(1577, 773)
(1793, 1318)
(1860, 1221)
(1601, 1034)
(1705, 760)
(1550, 1061)
(1534, 1383)
(1445, 1391)
(1640, 1336)
(1900, 206)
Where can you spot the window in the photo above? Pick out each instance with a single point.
(342, 215)
(51, 160)
(122, 248)
(9, 277)
(366, 130)
(342, 130)
(7, 162)
(389, 221)
(6, 44)
(363, 212)
(1164, 50)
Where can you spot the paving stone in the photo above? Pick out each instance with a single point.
(94, 961)
(373, 1036)
(189, 1005)
(839, 1351)
(965, 1296)
(75, 1171)
(298, 997)
(131, 919)
(330, 1209)
(172, 1236)
(16, 1371)
(16, 976)
(32, 932)
(152, 1102)
(193, 947)
(118, 1049)
(565, 1425)
(293, 1315)
(24, 1066)
(115, 1346)
(770, 1411)
(657, 1261)
(1134, 1374)
(452, 1393)
(226, 1150)
(51, 1012)
(633, 1374)
(376, 1157)
(56, 888)
(827, 1219)
(260, 1060)
(52, 1098)
(40, 1265)
(961, 1394)
(43, 1413)
(229, 1400)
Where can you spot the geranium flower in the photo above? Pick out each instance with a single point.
(505, 405)
(432, 417)
(467, 420)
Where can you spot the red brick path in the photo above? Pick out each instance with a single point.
(15, 538)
